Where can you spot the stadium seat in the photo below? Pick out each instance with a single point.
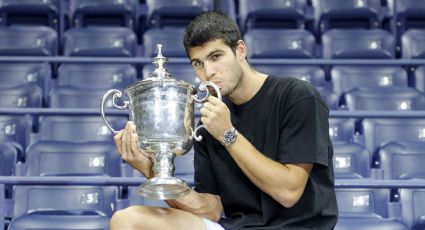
(282, 43)
(17, 74)
(96, 76)
(378, 132)
(363, 202)
(358, 43)
(8, 159)
(351, 160)
(346, 78)
(80, 199)
(177, 13)
(413, 44)
(335, 14)
(16, 130)
(28, 41)
(25, 96)
(75, 97)
(278, 14)
(54, 158)
(419, 79)
(78, 128)
(341, 129)
(103, 13)
(30, 12)
(330, 98)
(59, 220)
(347, 223)
(402, 160)
(412, 206)
(410, 14)
(403, 99)
(170, 38)
(100, 41)
(313, 74)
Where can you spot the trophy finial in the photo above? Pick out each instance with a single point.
(160, 62)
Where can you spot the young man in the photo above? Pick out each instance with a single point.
(266, 156)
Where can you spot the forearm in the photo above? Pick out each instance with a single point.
(282, 182)
(201, 204)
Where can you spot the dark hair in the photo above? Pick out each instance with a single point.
(210, 26)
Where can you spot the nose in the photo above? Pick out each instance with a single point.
(209, 70)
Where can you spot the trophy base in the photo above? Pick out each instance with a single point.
(164, 188)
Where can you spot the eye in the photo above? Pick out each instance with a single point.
(215, 57)
(196, 64)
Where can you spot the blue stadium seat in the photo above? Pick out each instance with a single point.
(341, 129)
(378, 132)
(177, 13)
(410, 14)
(78, 128)
(330, 97)
(53, 158)
(419, 79)
(28, 41)
(103, 13)
(184, 164)
(287, 14)
(358, 43)
(96, 76)
(282, 43)
(60, 220)
(30, 12)
(313, 74)
(413, 208)
(8, 159)
(351, 160)
(16, 130)
(170, 38)
(402, 99)
(227, 7)
(347, 223)
(413, 44)
(402, 160)
(75, 97)
(346, 78)
(363, 202)
(25, 96)
(335, 14)
(90, 199)
(17, 74)
(100, 41)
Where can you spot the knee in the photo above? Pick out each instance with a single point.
(134, 217)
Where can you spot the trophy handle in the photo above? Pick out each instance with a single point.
(203, 87)
(115, 93)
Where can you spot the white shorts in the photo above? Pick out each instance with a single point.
(212, 225)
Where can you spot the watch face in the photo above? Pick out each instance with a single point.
(230, 136)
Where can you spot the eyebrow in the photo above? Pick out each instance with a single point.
(208, 55)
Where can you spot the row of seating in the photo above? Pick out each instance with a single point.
(293, 43)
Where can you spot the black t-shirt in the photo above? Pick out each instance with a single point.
(287, 121)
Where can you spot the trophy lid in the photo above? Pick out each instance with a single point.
(159, 61)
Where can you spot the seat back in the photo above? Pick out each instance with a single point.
(53, 158)
(297, 43)
(100, 41)
(103, 13)
(351, 160)
(341, 129)
(363, 202)
(412, 205)
(28, 199)
(419, 79)
(410, 14)
(96, 76)
(413, 44)
(170, 38)
(402, 99)
(8, 159)
(16, 130)
(177, 13)
(358, 43)
(78, 128)
(24, 96)
(347, 223)
(287, 14)
(346, 78)
(402, 160)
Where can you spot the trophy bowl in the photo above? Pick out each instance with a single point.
(162, 109)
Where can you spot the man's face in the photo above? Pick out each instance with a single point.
(216, 62)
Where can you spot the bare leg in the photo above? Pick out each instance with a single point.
(147, 218)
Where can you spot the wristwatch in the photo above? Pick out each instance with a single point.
(230, 136)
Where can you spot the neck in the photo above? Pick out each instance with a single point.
(248, 86)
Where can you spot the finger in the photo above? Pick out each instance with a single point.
(123, 143)
(208, 105)
(128, 132)
(214, 100)
(205, 112)
(117, 140)
(134, 148)
(204, 121)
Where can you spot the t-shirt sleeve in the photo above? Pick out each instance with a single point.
(304, 133)
(204, 178)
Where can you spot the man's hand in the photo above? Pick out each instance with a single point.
(216, 117)
(128, 147)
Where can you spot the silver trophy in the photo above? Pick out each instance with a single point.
(162, 109)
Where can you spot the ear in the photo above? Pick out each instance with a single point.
(241, 51)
